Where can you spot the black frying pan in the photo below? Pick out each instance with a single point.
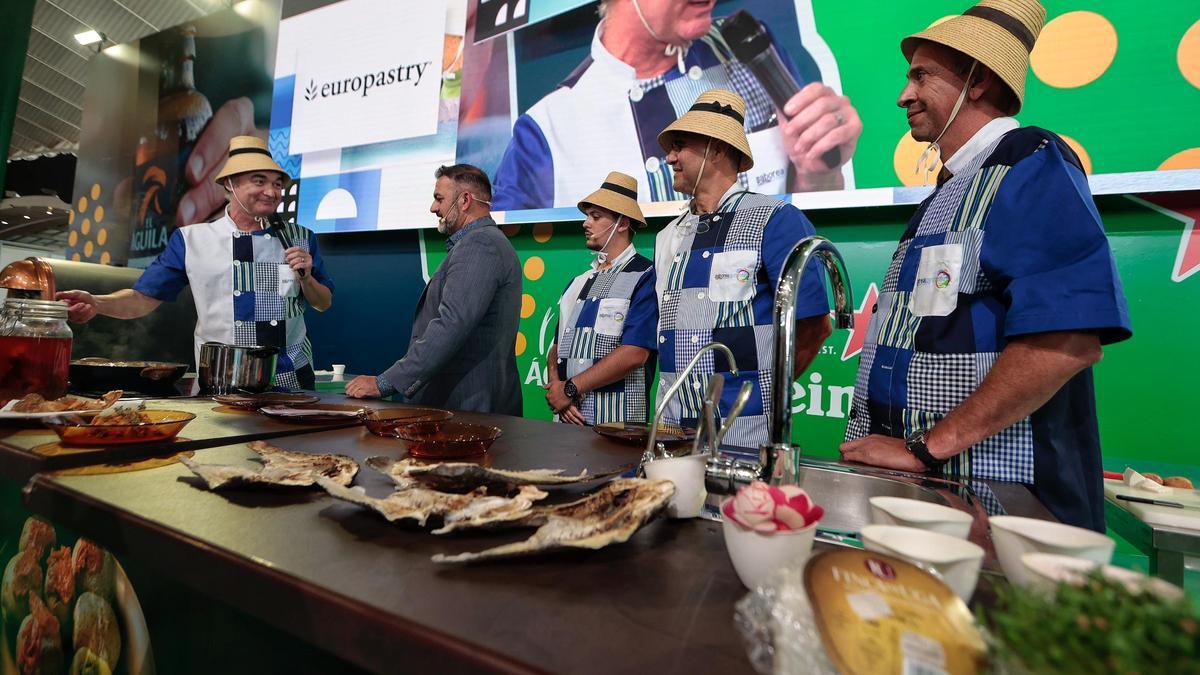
(149, 377)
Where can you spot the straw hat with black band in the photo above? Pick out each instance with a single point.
(1000, 34)
(719, 114)
(248, 153)
(618, 194)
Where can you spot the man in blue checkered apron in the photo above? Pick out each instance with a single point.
(716, 267)
(607, 317)
(978, 357)
(251, 283)
(649, 59)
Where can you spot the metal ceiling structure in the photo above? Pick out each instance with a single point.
(50, 109)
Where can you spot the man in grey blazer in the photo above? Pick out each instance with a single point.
(462, 354)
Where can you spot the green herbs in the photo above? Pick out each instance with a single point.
(1096, 627)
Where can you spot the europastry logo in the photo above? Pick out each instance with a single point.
(362, 84)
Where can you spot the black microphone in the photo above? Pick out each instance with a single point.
(753, 48)
(276, 222)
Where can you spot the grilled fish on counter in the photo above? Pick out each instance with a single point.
(608, 516)
(464, 476)
(280, 467)
(473, 510)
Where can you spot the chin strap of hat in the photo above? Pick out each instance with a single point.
(933, 152)
(602, 254)
(679, 51)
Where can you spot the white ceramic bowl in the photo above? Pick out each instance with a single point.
(756, 555)
(687, 473)
(921, 515)
(956, 560)
(1048, 570)
(1015, 536)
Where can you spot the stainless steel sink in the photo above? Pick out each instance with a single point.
(844, 491)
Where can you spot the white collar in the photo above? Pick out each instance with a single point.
(621, 259)
(604, 58)
(981, 141)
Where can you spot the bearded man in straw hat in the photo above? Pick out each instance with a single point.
(978, 358)
(717, 265)
(277, 271)
(607, 317)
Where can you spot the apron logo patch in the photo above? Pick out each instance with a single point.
(942, 280)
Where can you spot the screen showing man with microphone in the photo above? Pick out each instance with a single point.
(648, 61)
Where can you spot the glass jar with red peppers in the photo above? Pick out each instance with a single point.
(35, 348)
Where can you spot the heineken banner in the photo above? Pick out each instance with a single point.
(547, 97)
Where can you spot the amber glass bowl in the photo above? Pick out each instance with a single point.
(385, 421)
(446, 439)
(78, 429)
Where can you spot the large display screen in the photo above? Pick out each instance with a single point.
(548, 96)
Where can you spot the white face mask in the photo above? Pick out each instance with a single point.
(933, 152)
(602, 254)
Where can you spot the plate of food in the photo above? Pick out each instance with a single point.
(639, 434)
(314, 412)
(119, 426)
(35, 406)
(70, 609)
(256, 401)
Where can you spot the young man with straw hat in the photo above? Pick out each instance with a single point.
(607, 317)
(978, 358)
(249, 289)
(717, 265)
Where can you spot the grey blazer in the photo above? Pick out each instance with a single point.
(462, 354)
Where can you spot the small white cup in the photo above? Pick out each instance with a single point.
(756, 555)
(1015, 536)
(687, 473)
(1048, 570)
(921, 515)
(956, 560)
(339, 369)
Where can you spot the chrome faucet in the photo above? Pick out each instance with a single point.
(651, 451)
(723, 474)
(783, 370)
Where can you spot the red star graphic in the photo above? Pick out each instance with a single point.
(862, 319)
(1184, 207)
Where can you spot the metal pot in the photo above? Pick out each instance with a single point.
(99, 375)
(228, 369)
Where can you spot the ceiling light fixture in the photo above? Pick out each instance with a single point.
(88, 37)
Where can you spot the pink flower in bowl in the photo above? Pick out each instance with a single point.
(767, 508)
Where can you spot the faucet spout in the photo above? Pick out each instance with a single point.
(783, 371)
(650, 454)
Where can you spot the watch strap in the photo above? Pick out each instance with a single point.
(917, 448)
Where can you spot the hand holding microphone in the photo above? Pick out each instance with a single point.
(291, 256)
(820, 128)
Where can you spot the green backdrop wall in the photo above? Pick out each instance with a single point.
(1144, 386)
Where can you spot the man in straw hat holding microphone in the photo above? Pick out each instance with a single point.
(251, 280)
(717, 265)
(1003, 289)
(607, 317)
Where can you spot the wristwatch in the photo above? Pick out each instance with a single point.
(570, 390)
(915, 443)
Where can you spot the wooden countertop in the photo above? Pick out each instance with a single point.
(343, 578)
